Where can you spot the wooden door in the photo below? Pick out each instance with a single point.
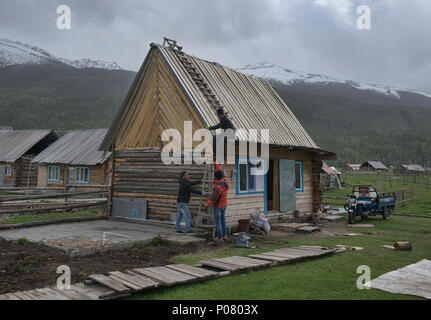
(272, 186)
(287, 188)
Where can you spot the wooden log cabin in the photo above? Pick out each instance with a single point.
(17, 149)
(74, 161)
(165, 94)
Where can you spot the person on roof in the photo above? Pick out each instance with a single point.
(225, 123)
(218, 142)
(183, 199)
(218, 199)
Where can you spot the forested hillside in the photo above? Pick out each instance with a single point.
(64, 98)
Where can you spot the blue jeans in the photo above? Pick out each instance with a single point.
(183, 210)
(220, 222)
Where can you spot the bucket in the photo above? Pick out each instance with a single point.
(243, 225)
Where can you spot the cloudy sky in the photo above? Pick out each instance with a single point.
(316, 36)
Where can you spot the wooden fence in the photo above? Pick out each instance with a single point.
(36, 203)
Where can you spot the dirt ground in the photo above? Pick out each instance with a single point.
(25, 265)
(28, 266)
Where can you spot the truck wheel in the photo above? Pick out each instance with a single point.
(352, 218)
(386, 213)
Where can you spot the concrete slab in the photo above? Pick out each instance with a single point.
(84, 238)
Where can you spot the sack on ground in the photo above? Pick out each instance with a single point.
(243, 240)
(260, 222)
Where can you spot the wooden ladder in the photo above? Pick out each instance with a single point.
(202, 211)
(194, 73)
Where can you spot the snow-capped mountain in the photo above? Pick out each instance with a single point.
(17, 53)
(88, 63)
(270, 71)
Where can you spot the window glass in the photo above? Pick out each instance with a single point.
(298, 175)
(243, 177)
(249, 179)
(53, 173)
(82, 174)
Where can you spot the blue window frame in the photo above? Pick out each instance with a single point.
(247, 182)
(53, 173)
(82, 175)
(299, 175)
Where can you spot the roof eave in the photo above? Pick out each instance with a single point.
(318, 153)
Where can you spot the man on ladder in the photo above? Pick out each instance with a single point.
(226, 125)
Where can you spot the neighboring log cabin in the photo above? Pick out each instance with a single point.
(165, 94)
(74, 161)
(17, 149)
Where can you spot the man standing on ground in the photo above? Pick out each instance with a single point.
(183, 200)
(218, 199)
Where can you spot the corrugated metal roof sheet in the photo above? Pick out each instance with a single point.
(80, 147)
(251, 103)
(15, 143)
(376, 165)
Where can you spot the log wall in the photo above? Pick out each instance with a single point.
(141, 174)
(22, 173)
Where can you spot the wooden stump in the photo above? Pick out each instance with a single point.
(403, 246)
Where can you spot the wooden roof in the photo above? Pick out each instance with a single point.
(250, 102)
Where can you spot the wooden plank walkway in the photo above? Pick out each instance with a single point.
(122, 284)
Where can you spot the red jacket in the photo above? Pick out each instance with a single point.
(218, 198)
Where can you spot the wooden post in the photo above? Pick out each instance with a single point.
(317, 192)
(111, 187)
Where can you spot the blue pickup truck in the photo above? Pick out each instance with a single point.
(366, 201)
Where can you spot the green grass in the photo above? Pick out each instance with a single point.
(8, 193)
(420, 205)
(50, 215)
(333, 277)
